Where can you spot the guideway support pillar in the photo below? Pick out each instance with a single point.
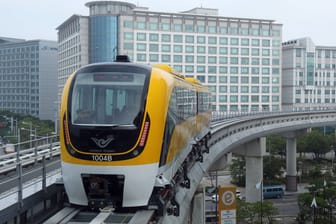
(291, 170)
(253, 152)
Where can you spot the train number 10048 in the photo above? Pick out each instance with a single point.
(102, 158)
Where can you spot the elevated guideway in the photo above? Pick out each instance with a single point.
(227, 132)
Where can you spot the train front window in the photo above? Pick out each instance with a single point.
(105, 98)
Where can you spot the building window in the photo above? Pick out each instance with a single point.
(165, 26)
(165, 38)
(177, 48)
(189, 39)
(189, 49)
(201, 40)
(154, 47)
(141, 36)
(178, 39)
(212, 40)
(223, 40)
(178, 27)
(153, 26)
(141, 25)
(153, 37)
(234, 41)
(165, 48)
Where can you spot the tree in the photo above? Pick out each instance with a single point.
(238, 171)
(316, 143)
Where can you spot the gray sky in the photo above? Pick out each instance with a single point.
(38, 19)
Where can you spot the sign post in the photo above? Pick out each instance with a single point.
(227, 204)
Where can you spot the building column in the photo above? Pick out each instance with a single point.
(253, 152)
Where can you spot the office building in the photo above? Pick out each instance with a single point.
(238, 58)
(309, 75)
(28, 77)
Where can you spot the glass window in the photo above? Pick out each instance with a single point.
(223, 50)
(189, 68)
(128, 24)
(128, 46)
(275, 52)
(223, 69)
(201, 69)
(234, 30)
(255, 80)
(165, 26)
(244, 31)
(265, 89)
(234, 70)
(244, 70)
(276, 33)
(265, 80)
(128, 36)
(234, 60)
(212, 29)
(244, 79)
(178, 38)
(212, 60)
(255, 51)
(189, 49)
(200, 28)
(200, 49)
(223, 30)
(245, 41)
(234, 50)
(222, 98)
(141, 47)
(177, 58)
(244, 89)
(255, 32)
(212, 40)
(234, 41)
(233, 99)
(245, 51)
(255, 89)
(177, 48)
(153, 57)
(178, 27)
(223, 60)
(189, 39)
(255, 70)
(201, 59)
(233, 79)
(255, 42)
(201, 40)
(189, 28)
(154, 47)
(265, 71)
(141, 57)
(141, 36)
(153, 37)
(153, 26)
(222, 79)
(244, 98)
(275, 71)
(212, 79)
(265, 43)
(165, 38)
(165, 48)
(165, 58)
(223, 40)
(244, 60)
(265, 61)
(265, 52)
(141, 25)
(265, 32)
(189, 58)
(212, 50)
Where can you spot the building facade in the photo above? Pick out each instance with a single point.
(28, 77)
(239, 59)
(309, 75)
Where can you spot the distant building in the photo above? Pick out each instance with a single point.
(238, 58)
(28, 77)
(309, 75)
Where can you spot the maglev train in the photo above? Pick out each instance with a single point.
(129, 134)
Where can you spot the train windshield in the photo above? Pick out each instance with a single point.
(107, 98)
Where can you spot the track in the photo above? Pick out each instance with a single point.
(71, 215)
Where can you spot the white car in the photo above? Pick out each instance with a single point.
(214, 197)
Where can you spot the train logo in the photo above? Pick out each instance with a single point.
(102, 143)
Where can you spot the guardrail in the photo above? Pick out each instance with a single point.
(25, 157)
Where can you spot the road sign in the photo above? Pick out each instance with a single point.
(227, 204)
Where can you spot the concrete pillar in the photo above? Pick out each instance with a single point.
(291, 177)
(198, 209)
(253, 152)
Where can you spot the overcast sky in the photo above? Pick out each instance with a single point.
(38, 19)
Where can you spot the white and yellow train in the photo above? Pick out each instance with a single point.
(126, 130)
